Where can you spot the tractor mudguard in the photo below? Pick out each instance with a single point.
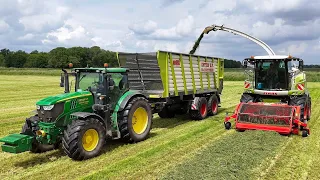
(126, 98)
(85, 115)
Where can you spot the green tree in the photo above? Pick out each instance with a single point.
(16, 59)
(37, 60)
(1, 60)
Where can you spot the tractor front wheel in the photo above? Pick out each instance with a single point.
(135, 120)
(84, 139)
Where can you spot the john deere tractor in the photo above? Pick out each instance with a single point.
(277, 79)
(100, 107)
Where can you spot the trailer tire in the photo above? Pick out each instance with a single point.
(84, 139)
(36, 146)
(138, 130)
(202, 110)
(166, 113)
(213, 105)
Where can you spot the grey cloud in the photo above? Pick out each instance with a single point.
(166, 3)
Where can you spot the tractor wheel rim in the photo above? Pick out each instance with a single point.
(214, 106)
(203, 109)
(140, 120)
(90, 140)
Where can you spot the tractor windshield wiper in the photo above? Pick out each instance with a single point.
(82, 77)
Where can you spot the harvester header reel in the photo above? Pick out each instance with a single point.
(281, 118)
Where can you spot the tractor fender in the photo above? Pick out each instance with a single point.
(86, 115)
(124, 101)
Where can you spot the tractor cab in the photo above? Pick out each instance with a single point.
(272, 73)
(105, 84)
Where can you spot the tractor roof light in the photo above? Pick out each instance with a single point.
(105, 65)
(70, 65)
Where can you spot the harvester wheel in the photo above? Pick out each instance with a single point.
(84, 139)
(309, 109)
(213, 105)
(305, 133)
(302, 102)
(36, 146)
(246, 98)
(202, 110)
(227, 125)
(135, 120)
(166, 113)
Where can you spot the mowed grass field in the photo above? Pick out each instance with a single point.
(177, 148)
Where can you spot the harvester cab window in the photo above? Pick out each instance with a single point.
(271, 75)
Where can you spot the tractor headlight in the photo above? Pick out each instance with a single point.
(48, 108)
(38, 107)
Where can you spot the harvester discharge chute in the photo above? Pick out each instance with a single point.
(282, 118)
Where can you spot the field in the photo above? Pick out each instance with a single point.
(176, 149)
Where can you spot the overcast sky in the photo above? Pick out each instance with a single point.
(288, 26)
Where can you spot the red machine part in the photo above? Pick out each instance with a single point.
(281, 118)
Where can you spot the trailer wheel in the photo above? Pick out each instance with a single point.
(135, 120)
(213, 105)
(202, 110)
(84, 139)
(36, 146)
(166, 113)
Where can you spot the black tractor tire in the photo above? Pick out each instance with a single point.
(127, 120)
(36, 146)
(309, 110)
(200, 113)
(166, 113)
(73, 137)
(245, 98)
(227, 125)
(305, 133)
(301, 101)
(213, 105)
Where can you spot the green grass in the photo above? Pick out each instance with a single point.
(177, 148)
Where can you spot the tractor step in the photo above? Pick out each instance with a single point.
(16, 143)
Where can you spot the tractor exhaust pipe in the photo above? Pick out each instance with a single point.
(65, 81)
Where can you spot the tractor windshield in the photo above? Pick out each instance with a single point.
(90, 81)
(271, 75)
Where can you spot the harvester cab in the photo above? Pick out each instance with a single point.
(275, 96)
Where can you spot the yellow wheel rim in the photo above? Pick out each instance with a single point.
(90, 140)
(140, 120)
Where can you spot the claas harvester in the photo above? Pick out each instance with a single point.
(275, 96)
(119, 103)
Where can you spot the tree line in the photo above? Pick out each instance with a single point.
(60, 57)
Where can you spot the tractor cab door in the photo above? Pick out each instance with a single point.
(117, 86)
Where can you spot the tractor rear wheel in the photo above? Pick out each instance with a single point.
(36, 146)
(135, 120)
(202, 110)
(213, 105)
(84, 139)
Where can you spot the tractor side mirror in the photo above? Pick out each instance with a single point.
(62, 80)
(301, 65)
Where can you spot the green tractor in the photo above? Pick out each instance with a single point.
(101, 107)
(277, 79)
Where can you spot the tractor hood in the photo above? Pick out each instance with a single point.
(51, 100)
